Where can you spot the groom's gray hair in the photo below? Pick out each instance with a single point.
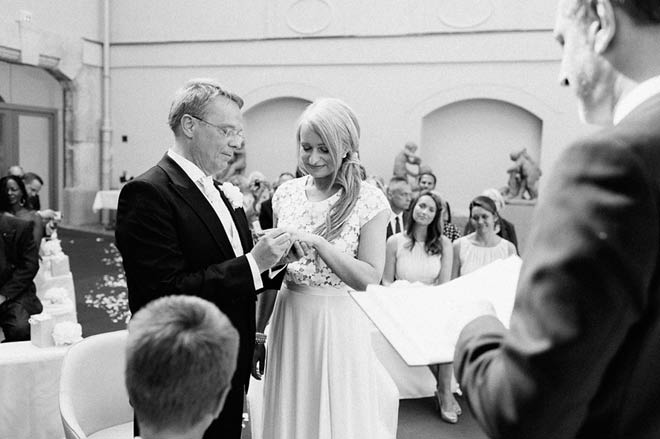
(180, 358)
(194, 97)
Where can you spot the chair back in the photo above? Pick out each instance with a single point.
(93, 395)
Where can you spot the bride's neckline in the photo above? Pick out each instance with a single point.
(308, 184)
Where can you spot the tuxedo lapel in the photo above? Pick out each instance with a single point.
(193, 197)
(240, 221)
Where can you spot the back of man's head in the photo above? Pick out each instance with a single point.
(642, 11)
(180, 357)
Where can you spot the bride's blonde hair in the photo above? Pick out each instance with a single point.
(337, 126)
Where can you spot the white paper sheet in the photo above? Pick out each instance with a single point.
(423, 323)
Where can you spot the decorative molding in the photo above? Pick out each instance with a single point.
(48, 62)
(465, 14)
(309, 17)
(9, 54)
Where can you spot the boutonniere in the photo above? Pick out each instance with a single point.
(233, 194)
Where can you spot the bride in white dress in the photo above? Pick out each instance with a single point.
(323, 380)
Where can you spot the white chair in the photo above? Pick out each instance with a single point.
(93, 398)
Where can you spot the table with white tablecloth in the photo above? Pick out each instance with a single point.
(29, 391)
(106, 200)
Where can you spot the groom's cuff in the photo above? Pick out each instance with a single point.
(275, 271)
(256, 276)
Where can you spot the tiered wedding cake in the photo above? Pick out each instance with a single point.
(54, 271)
(55, 289)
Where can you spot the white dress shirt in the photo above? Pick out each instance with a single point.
(636, 97)
(205, 184)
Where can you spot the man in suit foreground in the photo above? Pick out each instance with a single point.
(582, 354)
(178, 233)
(180, 356)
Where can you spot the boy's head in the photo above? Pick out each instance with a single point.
(180, 358)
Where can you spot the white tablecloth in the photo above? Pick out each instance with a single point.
(29, 391)
(106, 200)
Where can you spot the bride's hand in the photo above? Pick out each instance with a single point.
(294, 253)
(303, 242)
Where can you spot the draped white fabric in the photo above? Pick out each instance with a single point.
(29, 391)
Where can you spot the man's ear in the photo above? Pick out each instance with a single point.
(602, 31)
(187, 126)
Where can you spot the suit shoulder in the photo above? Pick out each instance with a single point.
(155, 175)
(154, 178)
(612, 146)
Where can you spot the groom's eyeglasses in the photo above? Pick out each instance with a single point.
(225, 131)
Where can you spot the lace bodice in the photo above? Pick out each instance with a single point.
(293, 209)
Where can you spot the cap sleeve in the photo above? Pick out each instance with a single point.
(371, 202)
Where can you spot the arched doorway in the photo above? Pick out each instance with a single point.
(467, 144)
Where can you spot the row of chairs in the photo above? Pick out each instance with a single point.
(93, 399)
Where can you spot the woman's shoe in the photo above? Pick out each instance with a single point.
(447, 415)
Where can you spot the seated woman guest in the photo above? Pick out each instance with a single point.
(13, 200)
(423, 254)
(483, 246)
(503, 228)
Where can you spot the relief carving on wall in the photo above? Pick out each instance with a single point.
(463, 14)
(309, 16)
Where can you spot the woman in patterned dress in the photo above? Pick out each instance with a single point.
(323, 379)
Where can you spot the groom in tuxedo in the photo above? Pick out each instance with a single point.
(582, 354)
(179, 233)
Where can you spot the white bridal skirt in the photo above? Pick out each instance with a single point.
(323, 378)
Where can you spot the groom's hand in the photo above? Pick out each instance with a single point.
(259, 361)
(270, 248)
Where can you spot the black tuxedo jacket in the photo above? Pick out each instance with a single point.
(19, 260)
(582, 355)
(172, 242)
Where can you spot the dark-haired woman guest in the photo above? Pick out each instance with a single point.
(423, 254)
(13, 200)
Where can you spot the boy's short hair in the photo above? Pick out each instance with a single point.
(180, 358)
